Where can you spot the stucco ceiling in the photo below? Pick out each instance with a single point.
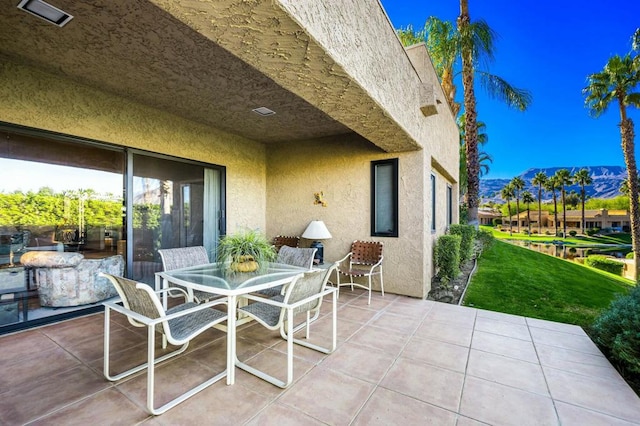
(141, 52)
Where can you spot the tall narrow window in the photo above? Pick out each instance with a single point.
(449, 205)
(384, 198)
(433, 203)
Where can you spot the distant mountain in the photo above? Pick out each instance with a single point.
(606, 182)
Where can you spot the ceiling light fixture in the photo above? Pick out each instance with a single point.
(263, 111)
(45, 11)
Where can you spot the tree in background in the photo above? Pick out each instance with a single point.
(539, 180)
(507, 194)
(527, 198)
(518, 185)
(551, 185)
(563, 178)
(583, 179)
(617, 83)
(484, 158)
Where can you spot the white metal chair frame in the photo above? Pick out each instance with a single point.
(285, 321)
(361, 269)
(182, 257)
(162, 324)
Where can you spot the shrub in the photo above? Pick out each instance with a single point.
(447, 256)
(629, 255)
(604, 263)
(573, 233)
(534, 231)
(617, 331)
(485, 237)
(547, 232)
(496, 221)
(592, 231)
(466, 233)
(560, 234)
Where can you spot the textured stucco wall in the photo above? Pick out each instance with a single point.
(341, 168)
(29, 97)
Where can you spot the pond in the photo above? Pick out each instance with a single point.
(573, 251)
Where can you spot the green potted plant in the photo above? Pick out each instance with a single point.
(245, 250)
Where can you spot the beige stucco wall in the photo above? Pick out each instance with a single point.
(32, 98)
(340, 167)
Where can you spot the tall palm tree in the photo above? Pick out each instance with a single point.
(527, 198)
(551, 185)
(507, 194)
(583, 179)
(539, 180)
(518, 185)
(563, 178)
(617, 83)
(483, 157)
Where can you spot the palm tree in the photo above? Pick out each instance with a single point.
(616, 83)
(527, 198)
(563, 178)
(582, 178)
(483, 157)
(551, 185)
(507, 194)
(539, 180)
(518, 185)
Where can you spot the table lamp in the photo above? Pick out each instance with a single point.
(317, 230)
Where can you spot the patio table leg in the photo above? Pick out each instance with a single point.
(231, 340)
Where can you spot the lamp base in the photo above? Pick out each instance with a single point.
(318, 259)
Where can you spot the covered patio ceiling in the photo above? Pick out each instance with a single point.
(211, 62)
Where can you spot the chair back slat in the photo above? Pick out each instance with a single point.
(137, 299)
(302, 257)
(183, 257)
(366, 252)
(283, 240)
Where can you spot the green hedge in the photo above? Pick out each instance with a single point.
(617, 331)
(604, 263)
(467, 233)
(447, 256)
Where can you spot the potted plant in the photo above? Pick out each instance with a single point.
(245, 250)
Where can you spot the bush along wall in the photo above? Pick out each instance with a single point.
(447, 255)
(604, 263)
(467, 233)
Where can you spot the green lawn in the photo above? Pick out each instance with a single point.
(520, 281)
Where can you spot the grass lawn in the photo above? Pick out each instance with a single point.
(618, 238)
(520, 281)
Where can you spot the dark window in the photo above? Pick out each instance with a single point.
(433, 202)
(384, 198)
(449, 205)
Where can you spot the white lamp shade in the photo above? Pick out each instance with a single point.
(316, 230)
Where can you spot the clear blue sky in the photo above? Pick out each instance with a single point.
(548, 47)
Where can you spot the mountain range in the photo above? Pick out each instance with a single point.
(606, 183)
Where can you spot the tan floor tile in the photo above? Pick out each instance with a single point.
(73, 333)
(378, 302)
(36, 366)
(446, 332)
(571, 341)
(32, 400)
(274, 363)
(499, 316)
(106, 407)
(555, 326)
(329, 396)
(438, 353)
(16, 346)
(399, 323)
(359, 361)
(497, 404)
(388, 341)
(258, 333)
(92, 349)
(606, 396)
(466, 421)
(386, 407)
(346, 329)
(503, 328)
(409, 307)
(570, 415)
(507, 371)
(282, 415)
(452, 314)
(502, 345)
(425, 382)
(356, 314)
(576, 362)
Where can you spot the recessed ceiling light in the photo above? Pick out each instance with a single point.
(263, 111)
(45, 11)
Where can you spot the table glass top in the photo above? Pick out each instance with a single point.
(217, 276)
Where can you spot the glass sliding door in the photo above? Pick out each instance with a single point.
(174, 204)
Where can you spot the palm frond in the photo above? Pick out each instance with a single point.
(499, 88)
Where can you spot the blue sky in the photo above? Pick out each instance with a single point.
(549, 48)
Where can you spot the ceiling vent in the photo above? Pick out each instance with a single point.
(45, 11)
(263, 111)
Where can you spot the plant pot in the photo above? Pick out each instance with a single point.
(244, 264)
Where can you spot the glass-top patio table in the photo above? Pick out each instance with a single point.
(217, 279)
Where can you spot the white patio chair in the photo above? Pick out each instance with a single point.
(183, 257)
(179, 324)
(302, 296)
(302, 257)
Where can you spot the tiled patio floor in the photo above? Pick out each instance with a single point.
(399, 361)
